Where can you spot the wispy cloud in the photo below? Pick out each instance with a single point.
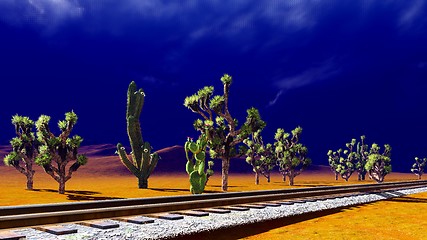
(327, 69)
(47, 13)
(272, 102)
(411, 13)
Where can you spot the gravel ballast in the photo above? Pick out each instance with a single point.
(166, 229)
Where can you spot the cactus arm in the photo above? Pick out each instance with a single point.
(154, 159)
(189, 167)
(131, 100)
(125, 160)
(201, 168)
(135, 137)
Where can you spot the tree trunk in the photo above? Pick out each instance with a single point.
(336, 176)
(225, 168)
(419, 176)
(61, 189)
(30, 176)
(284, 177)
(268, 177)
(363, 176)
(142, 183)
(256, 178)
(291, 180)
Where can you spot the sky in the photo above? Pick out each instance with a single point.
(337, 68)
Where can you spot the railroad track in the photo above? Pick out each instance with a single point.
(193, 205)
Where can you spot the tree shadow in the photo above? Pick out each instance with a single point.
(67, 191)
(170, 189)
(75, 197)
(244, 231)
(218, 186)
(78, 195)
(312, 185)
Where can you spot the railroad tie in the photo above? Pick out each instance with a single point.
(9, 235)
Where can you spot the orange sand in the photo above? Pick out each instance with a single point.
(401, 218)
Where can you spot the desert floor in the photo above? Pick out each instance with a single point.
(402, 218)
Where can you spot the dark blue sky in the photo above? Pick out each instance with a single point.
(339, 69)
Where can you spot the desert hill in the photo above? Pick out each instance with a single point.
(103, 160)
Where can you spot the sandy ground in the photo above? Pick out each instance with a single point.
(402, 218)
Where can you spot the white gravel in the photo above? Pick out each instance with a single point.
(164, 229)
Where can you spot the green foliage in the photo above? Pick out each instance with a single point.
(419, 166)
(223, 137)
(195, 166)
(55, 152)
(291, 155)
(260, 156)
(143, 161)
(24, 148)
(378, 164)
(345, 163)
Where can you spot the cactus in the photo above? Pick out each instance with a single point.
(378, 165)
(222, 133)
(56, 152)
(261, 157)
(418, 167)
(143, 161)
(195, 166)
(291, 155)
(24, 148)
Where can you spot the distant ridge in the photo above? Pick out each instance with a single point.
(103, 160)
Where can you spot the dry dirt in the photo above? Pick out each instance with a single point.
(402, 218)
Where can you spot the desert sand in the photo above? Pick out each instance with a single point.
(104, 177)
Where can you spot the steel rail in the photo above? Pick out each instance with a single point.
(42, 214)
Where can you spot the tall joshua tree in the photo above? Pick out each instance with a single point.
(334, 161)
(418, 167)
(143, 161)
(344, 164)
(56, 152)
(362, 158)
(291, 155)
(223, 135)
(378, 165)
(261, 157)
(24, 148)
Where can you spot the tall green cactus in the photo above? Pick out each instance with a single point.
(195, 166)
(143, 161)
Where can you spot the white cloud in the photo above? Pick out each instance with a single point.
(410, 14)
(326, 69)
(47, 13)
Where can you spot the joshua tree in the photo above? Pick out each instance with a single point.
(378, 165)
(24, 148)
(261, 157)
(143, 161)
(56, 152)
(362, 158)
(418, 167)
(334, 161)
(223, 135)
(291, 155)
(345, 166)
(195, 166)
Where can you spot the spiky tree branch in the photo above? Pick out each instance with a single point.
(419, 166)
(24, 148)
(56, 152)
(223, 137)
